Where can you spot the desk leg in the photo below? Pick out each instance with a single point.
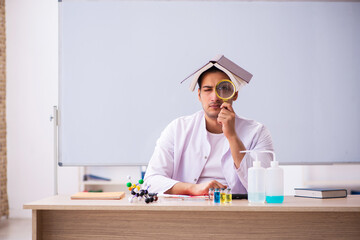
(36, 225)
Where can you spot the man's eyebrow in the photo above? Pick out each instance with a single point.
(207, 86)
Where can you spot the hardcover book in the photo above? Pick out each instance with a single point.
(237, 74)
(320, 193)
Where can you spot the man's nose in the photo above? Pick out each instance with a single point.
(214, 97)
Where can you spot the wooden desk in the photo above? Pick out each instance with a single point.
(59, 217)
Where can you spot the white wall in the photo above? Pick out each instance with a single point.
(32, 60)
(31, 29)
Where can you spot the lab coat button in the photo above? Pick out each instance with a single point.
(205, 157)
(195, 179)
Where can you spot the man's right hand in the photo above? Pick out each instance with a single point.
(194, 189)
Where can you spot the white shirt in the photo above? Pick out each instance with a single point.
(183, 148)
(213, 163)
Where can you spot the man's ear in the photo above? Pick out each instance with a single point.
(235, 96)
(199, 94)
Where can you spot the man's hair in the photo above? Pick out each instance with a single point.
(213, 69)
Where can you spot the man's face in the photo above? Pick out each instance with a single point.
(209, 100)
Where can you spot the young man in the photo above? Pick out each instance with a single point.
(202, 151)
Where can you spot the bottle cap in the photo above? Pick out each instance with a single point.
(274, 163)
(256, 164)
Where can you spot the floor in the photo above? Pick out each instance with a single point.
(15, 229)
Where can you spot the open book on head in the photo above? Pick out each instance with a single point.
(237, 74)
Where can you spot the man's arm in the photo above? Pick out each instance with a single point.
(243, 161)
(160, 169)
(227, 119)
(194, 189)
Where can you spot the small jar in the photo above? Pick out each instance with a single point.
(222, 195)
(211, 194)
(228, 197)
(217, 195)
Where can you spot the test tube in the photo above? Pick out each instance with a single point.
(217, 195)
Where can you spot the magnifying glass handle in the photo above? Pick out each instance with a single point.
(225, 100)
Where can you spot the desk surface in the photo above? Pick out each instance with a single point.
(59, 217)
(293, 204)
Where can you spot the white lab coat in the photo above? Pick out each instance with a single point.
(181, 153)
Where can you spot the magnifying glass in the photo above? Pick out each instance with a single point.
(225, 89)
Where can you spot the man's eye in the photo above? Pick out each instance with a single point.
(225, 89)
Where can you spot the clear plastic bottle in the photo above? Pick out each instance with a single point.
(217, 195)
(228, 197)
(256, 183)
(274, 183)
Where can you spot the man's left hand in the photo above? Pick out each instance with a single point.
(226, 118)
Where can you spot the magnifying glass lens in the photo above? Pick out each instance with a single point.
(225, 89)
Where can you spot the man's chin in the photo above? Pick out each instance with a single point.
(212, 115)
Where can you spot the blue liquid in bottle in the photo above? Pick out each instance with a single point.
(274, 199)
(217, 196)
